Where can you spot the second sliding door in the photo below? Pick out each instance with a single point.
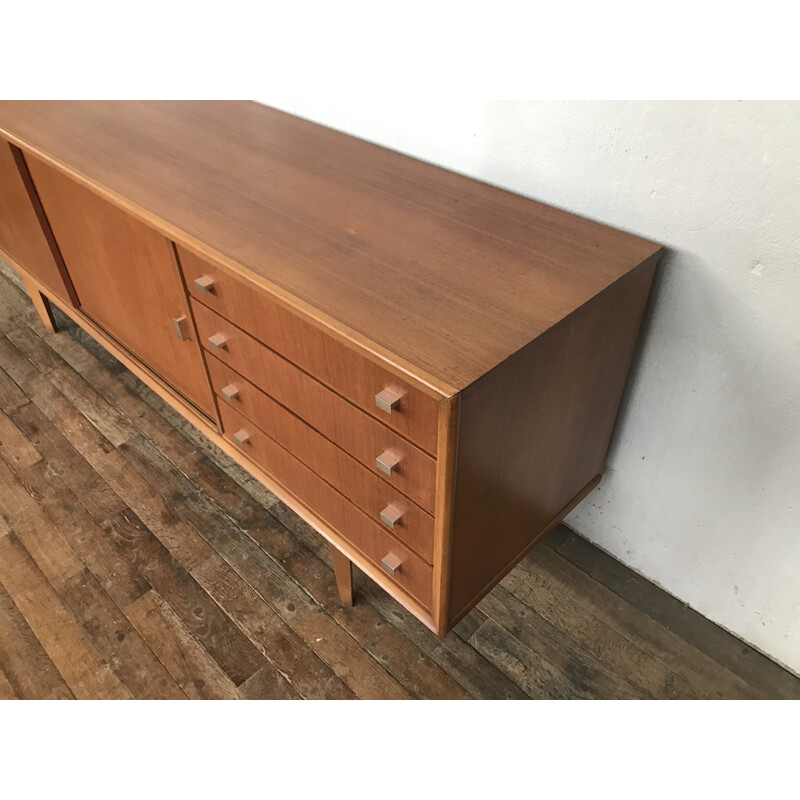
(127, 279)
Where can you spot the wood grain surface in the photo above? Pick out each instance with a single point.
(336, 419)
(360, 485)
(322, 357)
(368, 536)
(343, 569)
(566, 622)
(24, 235)
(400, 248)
(127, 279)
(522, 468)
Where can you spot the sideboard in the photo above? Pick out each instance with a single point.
(424, 367)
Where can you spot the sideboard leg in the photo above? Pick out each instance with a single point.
(343, 568)
(42, 306)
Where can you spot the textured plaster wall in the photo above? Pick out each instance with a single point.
(702, 491)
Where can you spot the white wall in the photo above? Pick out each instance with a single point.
(702, 491)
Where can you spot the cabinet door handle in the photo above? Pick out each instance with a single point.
(392, 514)
(391, 563)
(241, 437)
(387, 462)
(387, 400)
(204, 284)
(181, 327)
(230, 392)
(218, 342)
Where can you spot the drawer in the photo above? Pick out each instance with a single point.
(336, 419)
(330, 361)
(413, 574)
(377, 498)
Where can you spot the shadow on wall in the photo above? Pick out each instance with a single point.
(705, 446)
(665, 265)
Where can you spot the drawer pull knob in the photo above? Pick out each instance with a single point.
(181, 327)
(217, 341)
(230, 392)
(204, 284)
(241, 437)
(391, 515)
(387, 400)
(391, 563)
(387, 462)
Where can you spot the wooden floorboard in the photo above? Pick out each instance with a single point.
(694, 628)
(6, 689)
(707, 676)
(190, 664)
(117, 641)
(83, 669)
(228, 645)
(25, 664)
(137, 560)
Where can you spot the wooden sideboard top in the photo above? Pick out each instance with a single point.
(444, 275)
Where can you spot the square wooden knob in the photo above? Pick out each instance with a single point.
(391, 563)
(387, 462)
(392, 514)
(241, 437)
(230, 392)
(204, 284)
(218, 341)
(388, 400)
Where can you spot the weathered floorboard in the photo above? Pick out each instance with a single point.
(231, 649)
(118, 577)
(6, 689)
(694, 628)
(268, 684)
(607, 644)
(83, 669)
(193, 668)
(26, 665)
(280, 644)
(539, 678)
(709, 678)
(116, 640)
(583, 670)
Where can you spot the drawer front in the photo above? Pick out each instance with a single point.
(333, 363)
(341, 422)
(379, 500)
(413, 574)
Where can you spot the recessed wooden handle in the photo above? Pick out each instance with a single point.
(392, 514)
(181, 327)
(388, 400)
(241, 437)
(218, 341)
(204, 284)
(391, 563)
(387, 462)
(230, 392)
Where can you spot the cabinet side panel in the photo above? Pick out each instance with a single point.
(534, 434)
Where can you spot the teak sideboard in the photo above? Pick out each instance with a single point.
(425, 368)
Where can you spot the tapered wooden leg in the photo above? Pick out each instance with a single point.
(343, 568)
(42, 306)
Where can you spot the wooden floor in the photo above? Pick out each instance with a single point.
(137, 560)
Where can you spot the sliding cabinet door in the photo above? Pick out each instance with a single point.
(127, 278)
(23, 231)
